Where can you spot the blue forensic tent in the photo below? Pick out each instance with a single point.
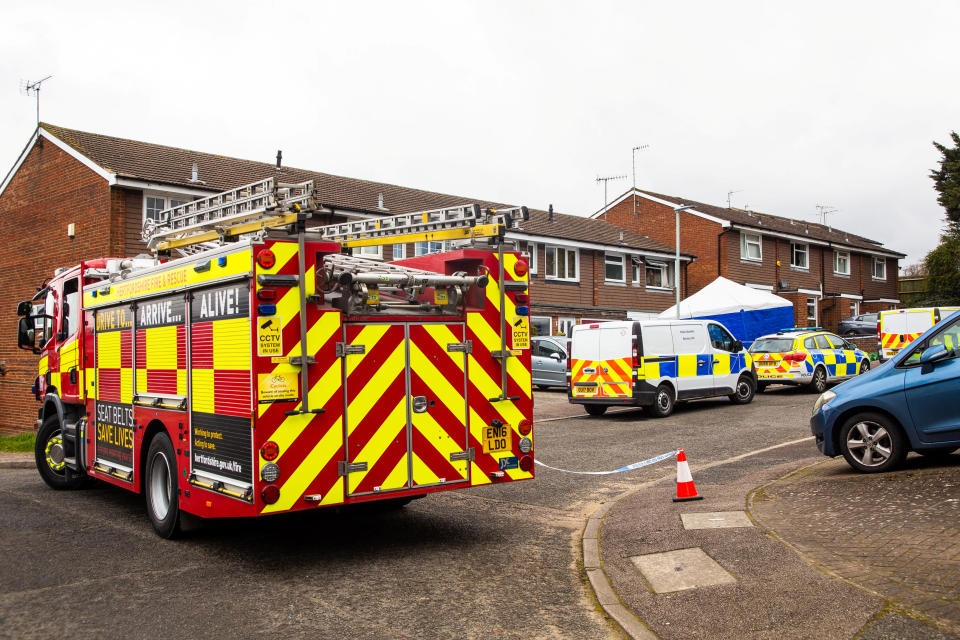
(748, 313)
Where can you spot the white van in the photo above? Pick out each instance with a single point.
(656, 363)
(899, 327)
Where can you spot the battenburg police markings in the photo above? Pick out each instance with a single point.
(629, 467)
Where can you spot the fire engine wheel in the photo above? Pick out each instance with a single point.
(819, 382)
(51, 457)
(160, 487)
(595, 409)
(743, 394)
(663, 402)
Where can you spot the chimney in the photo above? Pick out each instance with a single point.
(279, 158)
(550, 213)
(621, 237)
(195, 173)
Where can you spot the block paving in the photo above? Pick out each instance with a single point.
(897, 534)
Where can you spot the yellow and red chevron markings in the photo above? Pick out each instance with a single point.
(898, 340)
(616, 382)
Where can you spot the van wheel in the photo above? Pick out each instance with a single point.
(595, 409)
(743, 394)
(864, 366)
(161, 487)
(819, 382)
(663, 402)
(871, 442)
(50, 457)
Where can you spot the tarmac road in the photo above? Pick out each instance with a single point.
(498, 561)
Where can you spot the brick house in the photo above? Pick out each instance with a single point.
(73, 195)
(827, 273)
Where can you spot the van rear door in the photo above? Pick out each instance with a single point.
(584, 356)
(615, 368)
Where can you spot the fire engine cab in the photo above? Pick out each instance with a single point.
(251, 365)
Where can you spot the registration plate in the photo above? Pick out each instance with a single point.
(496, 439)
(585, 389)
(766, 363)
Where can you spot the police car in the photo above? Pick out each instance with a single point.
(806, 356)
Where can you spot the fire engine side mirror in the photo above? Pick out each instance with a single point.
(24, 308)
(26, 335)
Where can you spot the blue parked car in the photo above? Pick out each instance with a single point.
(911, 403)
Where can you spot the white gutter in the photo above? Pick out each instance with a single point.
(612, 248)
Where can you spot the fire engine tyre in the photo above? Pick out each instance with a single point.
(743, 394)
(819, 383)
(662, 403)
(872, 443)
(160, 487)
(50, 457)
(595, 409)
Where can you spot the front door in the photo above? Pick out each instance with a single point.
(406, 408)
(932, 391)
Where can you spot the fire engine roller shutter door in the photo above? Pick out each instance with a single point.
(114, 422)
(221, 438)
(440, 429)
(161, 349)
(376, 413)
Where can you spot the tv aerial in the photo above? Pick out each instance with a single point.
(29, 88)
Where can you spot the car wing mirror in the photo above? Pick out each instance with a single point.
(737, 346)
(934, 354)
(555, 356)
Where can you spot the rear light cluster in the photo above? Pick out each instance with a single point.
(795, 356)
(266, 259)
(635, 355)
(270, 472)
(520, 268)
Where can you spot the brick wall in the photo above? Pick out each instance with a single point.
(49, 191)
(658, 222)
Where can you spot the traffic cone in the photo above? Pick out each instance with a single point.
(686, 490)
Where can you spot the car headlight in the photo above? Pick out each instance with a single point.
(824, 398)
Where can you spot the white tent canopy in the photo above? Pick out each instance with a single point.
(724, 296)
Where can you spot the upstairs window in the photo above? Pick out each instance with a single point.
(561, 264)
(532, 250)
(426, 248)
(751, 247)
(879, 268)
(658, 275)
(154, 204)
(841, 263)
(374, 252)
(798, 256)
(613, 268)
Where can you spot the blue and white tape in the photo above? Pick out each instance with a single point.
(629, 467)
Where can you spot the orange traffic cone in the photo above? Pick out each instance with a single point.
(686, 490)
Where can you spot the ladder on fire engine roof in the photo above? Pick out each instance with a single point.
(254, 208)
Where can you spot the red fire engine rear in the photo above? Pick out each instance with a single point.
(276, 372)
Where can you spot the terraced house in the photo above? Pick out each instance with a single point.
(73, 195)
(827, 273)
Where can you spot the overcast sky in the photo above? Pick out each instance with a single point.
(832, 103)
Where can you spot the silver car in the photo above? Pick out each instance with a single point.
(548, 355)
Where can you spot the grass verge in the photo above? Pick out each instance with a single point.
(19, 442)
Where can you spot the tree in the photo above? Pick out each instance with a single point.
(943, 263)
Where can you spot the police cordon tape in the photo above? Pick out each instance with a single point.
(629, 467)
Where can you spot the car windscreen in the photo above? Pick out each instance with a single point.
(771, 345)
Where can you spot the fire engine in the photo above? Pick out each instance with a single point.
(251, 365)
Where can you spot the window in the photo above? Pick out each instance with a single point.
(811, 312)
(399, 251)
(841, 263)
(810, 343)
(532, 250)
(720, 338)
(565, 325)
(798, 256)
(374, 252)
(561, 263)
(657, 275)
(548, 348)
(854, 308)
(70, 320)
(154, 204)
(822, 342)
(426, 248)
(879, 268)
(540, 326)
(750, 247)
(613, 268)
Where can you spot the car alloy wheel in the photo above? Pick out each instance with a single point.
(869, 443)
